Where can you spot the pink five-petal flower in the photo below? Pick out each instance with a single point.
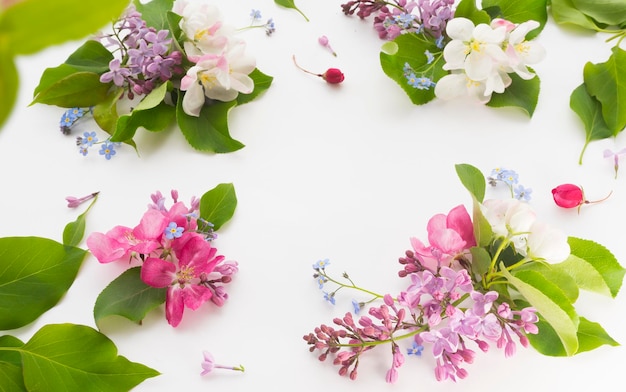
(184, 279)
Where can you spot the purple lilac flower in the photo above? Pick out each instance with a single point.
(435, 15)
(117, 73)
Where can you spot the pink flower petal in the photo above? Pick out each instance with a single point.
(158, 272)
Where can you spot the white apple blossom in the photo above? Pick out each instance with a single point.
(547, 243)
(510, 218)
(522, 52)
(221, 77)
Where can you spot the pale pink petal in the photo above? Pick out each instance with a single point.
(151, 226)
(106, 248)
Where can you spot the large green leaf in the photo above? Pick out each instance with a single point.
(593, 267)
(155, 12)
(33, 25)
(218, 205)
(261, 83)
(561, 278)
(9, 80)
(611, 12)
(521, 11)
(589, 110)
(208, 131)
(290, 4)
(467, 9)
(78, 89)
(411, 50)
(472, 179)
(564, 12)
(11, 379)
(521, 93)
(128, 296)
(591, 336)
(607, 83)
(67, 357)
(550, 302)
(34, 274)
(105, 112)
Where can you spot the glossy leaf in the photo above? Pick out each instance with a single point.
(550, 302)
(564, 12)
(208, 131)
(611, 12)
(79, 89)
(261, 83)
(9, 81)
(562, 279)
(129, 297)
(218, 205)
(290, 4)
(155, 12)
(34, 274)
(547, 341)
(472, 179)
(62, 357)
(521, 93)
(105, 112)
(607, 83)
(589, 110)
(593, 267)
(521, 11)
(36, 24)
(411, 50)
(467, 9)
(591, 336)
(74, 231)
(11, 379)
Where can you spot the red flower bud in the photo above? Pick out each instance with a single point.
(331, 76)
(568, 196)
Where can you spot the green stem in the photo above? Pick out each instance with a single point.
(350, 286)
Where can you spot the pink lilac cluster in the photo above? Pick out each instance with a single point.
(441, 307)
(174, 248)
(392, 18)
(145, 60)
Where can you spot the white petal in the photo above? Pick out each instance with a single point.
(193, 100)
(460, 28)
(454, 53)
(451, 86)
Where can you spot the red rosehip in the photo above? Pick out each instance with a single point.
(568, 196)
(333, 76)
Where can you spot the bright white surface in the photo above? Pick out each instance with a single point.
(345, 172)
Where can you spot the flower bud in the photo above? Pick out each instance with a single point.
(333, 76)
(568, 196)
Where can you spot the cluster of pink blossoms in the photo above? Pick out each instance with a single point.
(174, 247)
(442, 307)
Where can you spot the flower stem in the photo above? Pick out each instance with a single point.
(350, 286)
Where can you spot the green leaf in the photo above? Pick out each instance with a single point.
(67, 357)
(481, 259)
(34, 274)
(11, 379)
(547, 341)
(128, 296)
(105, 112)
(593, 267)
(467, 9)
(607, 83)
(218, 205)
(591, 336)
(261, 83)
(561, 278)
(208, 131)
(521, 93)
(411, 50)
(472, 179)
(564, 12)
(155, 12)
(33, 25)
(611, 12)
(521, 11)
(589, 110)
(79, 89)
(290, 4)
(74, 231)
(550, 302)
(9, 81)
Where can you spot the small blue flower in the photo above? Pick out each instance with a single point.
(521, 193)
(415, 349)
(407, 69)
(173, 231)
(108, 150)
(509, 177)
(88, 139)
(321, 264)
(424, 83)
(404, 20)
(329, 297)
(320, 281)
(356, 306)
(68, 119)
(429, 57)
(270, 27)
(83, 150)
(255, 14)
(77, 112)
(439, 42)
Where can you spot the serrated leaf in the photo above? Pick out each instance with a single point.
(60, 20)
(261, 83)
(155, 12)
(79, 89)
(472, 179)
(589, 110)
(74, 231)
(34, 274)
(522, 94)
(564, 12)
(209, 131)
(411, 50)
(129, 297)
(607, 83)
(593, 267)
(290, 4)
(611, 12)
(9, 81)
(591, 336)
(218, 205)
(467, 9)
(549, 301)
(67, 357)
(521, 11)
(562, 279)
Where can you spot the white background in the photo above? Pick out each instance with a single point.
(346, 172)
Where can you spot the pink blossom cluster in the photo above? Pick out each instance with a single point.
(174, 248)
